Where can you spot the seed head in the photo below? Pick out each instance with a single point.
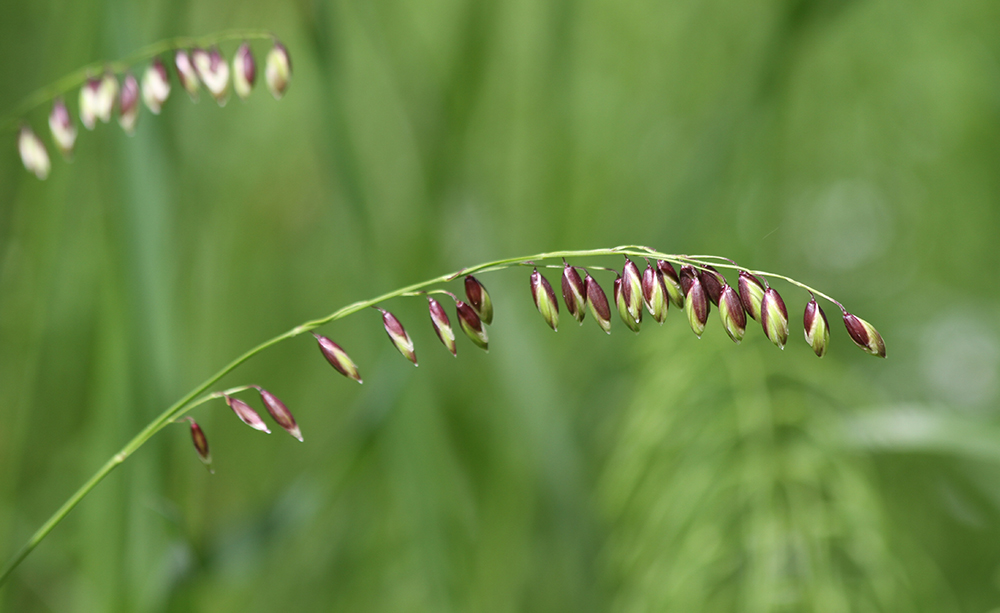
(200, 444)
(338, 358)
(621, 302)
(654, 293)
(479, 299)
(774, 317)
(213, 71)
(398, 336)
(672, 282)
(186, 73)
(712, 281)
(751, 294)
(279, 412)
(545, 299)
(472, 325)
(63, 129)
(442, 325)
(106, 95)
(155, 86)
(244, 71)
(598, 303)
(864, 335)
(817, 329)
(33, 153)
(734, 319)
(246, 414)
(128, 104)
(574, 292)
(278, 70)
(695, 301)
(632, 289)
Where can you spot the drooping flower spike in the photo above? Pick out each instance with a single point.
(755, 298)
(116, 92)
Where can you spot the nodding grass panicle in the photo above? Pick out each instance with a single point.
(110, 88)
(656, 287)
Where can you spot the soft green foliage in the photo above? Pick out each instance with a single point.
(851, 145)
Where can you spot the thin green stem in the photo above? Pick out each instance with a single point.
(78, 77)
(194, 397)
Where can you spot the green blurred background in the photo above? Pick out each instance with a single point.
(850, 144)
